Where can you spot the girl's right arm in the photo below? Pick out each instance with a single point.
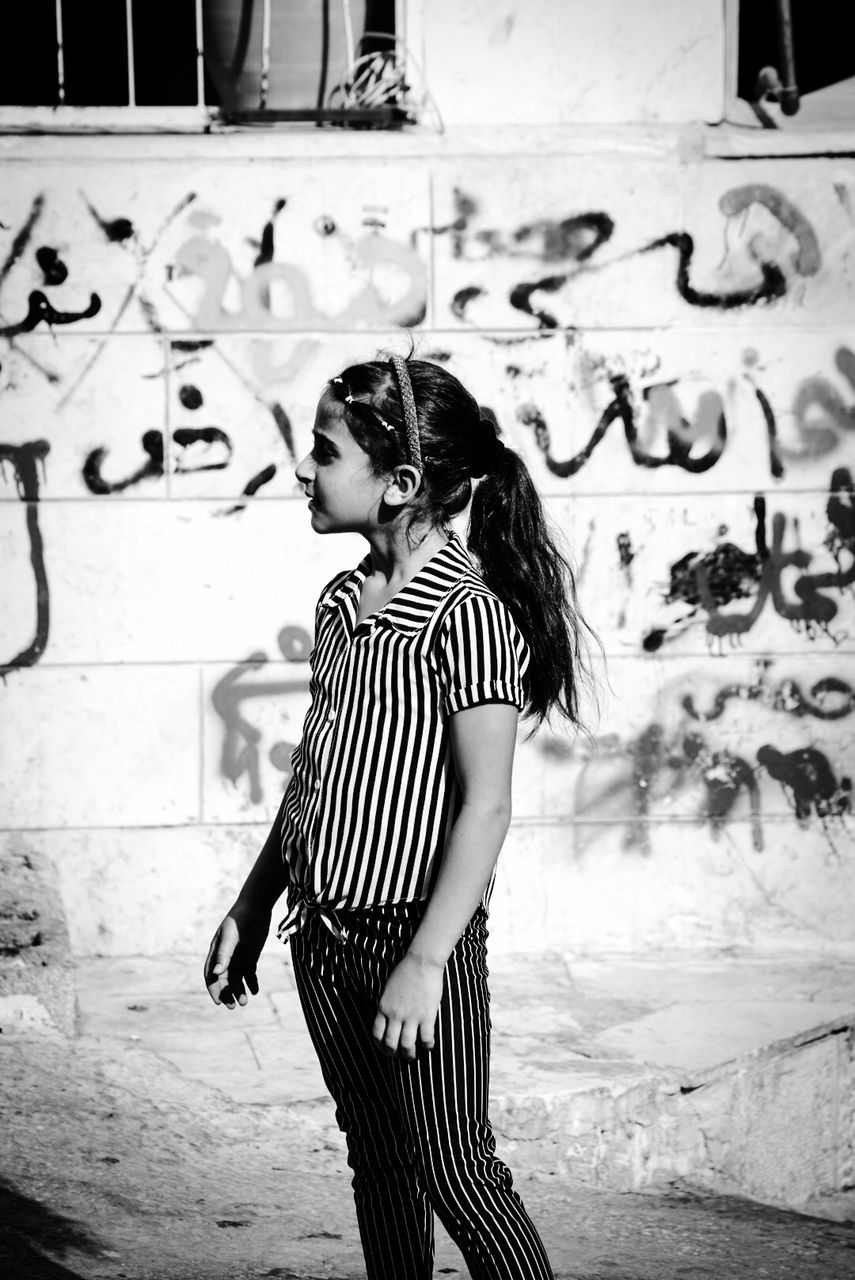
(232, 960)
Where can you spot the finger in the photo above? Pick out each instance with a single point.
(378, 1028)
(252, 981)
(209, 959)
(217, 987)
(407, 1042)
(236, 984)
(392, 1038)
(227, 995)
(223, 947)
(427, 1033)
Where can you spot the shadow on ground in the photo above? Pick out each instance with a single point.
(31, 1232)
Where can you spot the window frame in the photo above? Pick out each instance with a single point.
(200, 118)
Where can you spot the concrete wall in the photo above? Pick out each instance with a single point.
(667, 337)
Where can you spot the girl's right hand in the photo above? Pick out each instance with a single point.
(232, 960)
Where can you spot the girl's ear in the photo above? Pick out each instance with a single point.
(404, 484)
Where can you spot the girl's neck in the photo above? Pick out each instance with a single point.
(395, 558)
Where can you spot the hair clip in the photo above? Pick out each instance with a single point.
(384, 423)
(340, 381)
(348, 399)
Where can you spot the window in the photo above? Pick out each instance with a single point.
(795, 64)
(191, 62)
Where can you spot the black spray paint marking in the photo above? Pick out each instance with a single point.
(39, 309)
(152, 443)
(774, 283)
(267, 246)
(24, 460)
(190, 396)
(724, 776)
(283, 422)
(462, 298)
(191, 344)
(240, 751)
(679, 441)
(626, 554)
(325, 226)
(840, 538)
(659, 765)
(776, 467)
(51, 265)
(827, 699)
(263, 477)
(809, 782)
(117, 230)
(22, 239)
(521, 295)
(728, 573)
(577, 238)
(186, 437)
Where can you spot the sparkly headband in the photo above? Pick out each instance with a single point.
(411, 420)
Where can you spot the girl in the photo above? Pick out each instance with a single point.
(388, 834)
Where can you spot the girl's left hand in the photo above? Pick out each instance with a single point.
(408, 1008)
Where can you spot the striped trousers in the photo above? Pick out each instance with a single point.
(418, 1134)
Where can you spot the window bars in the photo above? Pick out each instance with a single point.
(201, 61)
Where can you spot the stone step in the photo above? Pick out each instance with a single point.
(730, 1073)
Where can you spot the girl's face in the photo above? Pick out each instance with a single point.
(344, 495)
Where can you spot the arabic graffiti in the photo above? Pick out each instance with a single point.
(710, 580)
(24, 460)
(240, 754)
(207, 259)
(667, 765)
(201, 449)
(827, 699)
(573, 241)
(809, 782)
(40, 309)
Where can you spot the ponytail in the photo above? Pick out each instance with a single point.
(520, 561)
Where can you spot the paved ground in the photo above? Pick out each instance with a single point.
(174, 1141)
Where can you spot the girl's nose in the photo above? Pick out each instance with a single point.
(303, 470)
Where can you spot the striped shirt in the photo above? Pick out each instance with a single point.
(373, 793)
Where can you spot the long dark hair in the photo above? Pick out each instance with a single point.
(509, 532)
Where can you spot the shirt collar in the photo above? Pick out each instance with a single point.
(415, 604)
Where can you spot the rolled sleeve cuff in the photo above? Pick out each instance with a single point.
(475, 695)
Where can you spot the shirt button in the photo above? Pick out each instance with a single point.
(317, 784)
(331, 717)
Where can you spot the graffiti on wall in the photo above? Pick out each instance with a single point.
(241, 750)
(788, 252)
(671, 758)
(195, 286)
(659, 432)
(24, 461)
(710, 582)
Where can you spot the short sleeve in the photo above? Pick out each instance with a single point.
(484, 656)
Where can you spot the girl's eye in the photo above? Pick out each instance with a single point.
(321, 451)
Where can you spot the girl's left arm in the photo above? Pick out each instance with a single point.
(483, 740)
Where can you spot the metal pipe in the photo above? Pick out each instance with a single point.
(789, 92)
(264, 87)
(60, 56)
(200, 57)
(132, 84)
